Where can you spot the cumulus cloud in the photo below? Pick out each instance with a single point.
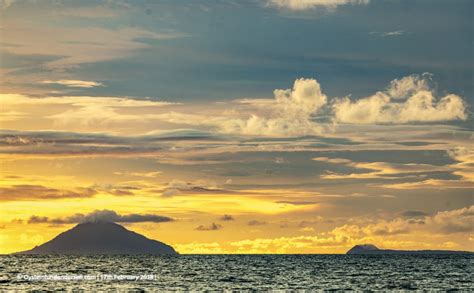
(101, 216)
(292, 113)
(74, 83)
(212, 227)
(409, 85)
(298, 5)
(461, 220)
(443, 222)
(409, 99)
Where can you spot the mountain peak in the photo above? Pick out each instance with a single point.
(362, 248)
(100, 237)
(372, 249)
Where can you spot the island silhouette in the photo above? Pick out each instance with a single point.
(101, 238)
(371, 249)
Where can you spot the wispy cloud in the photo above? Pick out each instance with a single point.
(39, 192)
(73, 45)
(74, 83)
(299, 5)
(389, 34)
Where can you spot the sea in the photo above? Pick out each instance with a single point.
(237, 273)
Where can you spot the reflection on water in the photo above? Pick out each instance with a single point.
(201, 272)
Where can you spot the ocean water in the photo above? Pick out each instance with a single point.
(238, 272)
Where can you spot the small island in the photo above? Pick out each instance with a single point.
(94, 238)
(370, 249)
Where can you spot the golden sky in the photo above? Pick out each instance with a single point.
(90, 128)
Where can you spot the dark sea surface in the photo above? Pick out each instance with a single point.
(239, 272)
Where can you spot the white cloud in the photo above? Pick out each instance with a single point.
(389, 34)
(74, 83)
(408, 85)
(298, 5)
(292, 112)
(406, 100)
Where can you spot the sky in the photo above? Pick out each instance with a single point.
(254, 126)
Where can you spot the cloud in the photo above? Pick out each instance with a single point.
(455, 221)
(299, 5)
(439, 184)
(39, 192)
(72, 45)
(226, 218)
(74, 83)
(295, 112)
(256, 223)
(176, 187)
(409, 85)
(212, 227)
(443, 222)
(84, 110)
(303, 110)
(381, 170)
(101, 216)
(406, 100)
(297, 202)
(390, 234)
(12, 116)
(291, 114)
(389, 34)
(413, 214)
(465, 162)
(153, 174)
(4, 4)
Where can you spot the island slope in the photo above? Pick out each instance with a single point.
(374, 250)
(101, 238)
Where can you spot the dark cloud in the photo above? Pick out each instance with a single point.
(176, 187)
(256, 223)
(77, 143)
(297, 202)
(226, 218)
(414, 214)
(212, 227)
(38, 192)
(120, 192)
(101, 216)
